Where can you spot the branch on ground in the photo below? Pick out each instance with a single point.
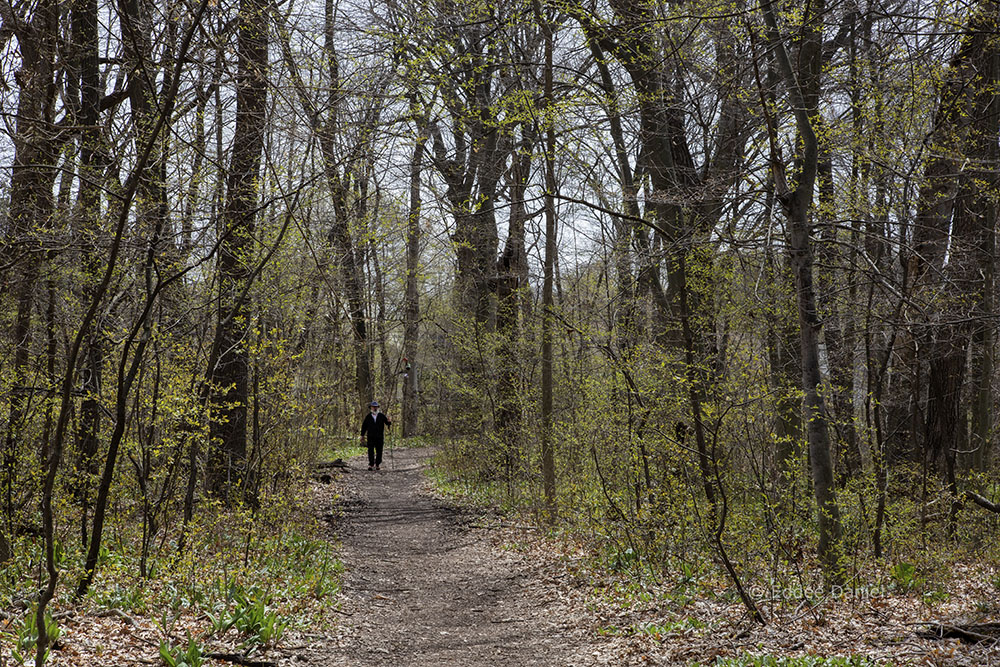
(983, 502)
(240, 659)
(972, 633)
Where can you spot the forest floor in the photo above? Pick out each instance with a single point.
(429, 583)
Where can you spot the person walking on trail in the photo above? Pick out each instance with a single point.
(374, 426)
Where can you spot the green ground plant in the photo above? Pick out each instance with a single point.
(182, 656)
(26, 638)
(217, 578)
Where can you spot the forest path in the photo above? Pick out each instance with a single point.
(423, 587)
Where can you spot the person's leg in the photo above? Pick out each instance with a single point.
(371, 453)
(378, 454)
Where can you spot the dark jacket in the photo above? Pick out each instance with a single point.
(375, 427)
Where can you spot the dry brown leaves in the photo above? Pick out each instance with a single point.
(618, 622)
(648, 623)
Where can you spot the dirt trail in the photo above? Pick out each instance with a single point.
(423, 587)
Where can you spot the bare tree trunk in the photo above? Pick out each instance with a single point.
(797, 203)
(411, 302)
(230, 375)
(625, 229)
(350, 270)
(984, 363)
(512, 278)
(982, 237)
(783, 360)
(548, 304)
(150, 123)
(88, 211)
(54, 458)
(340, 236)
(388, 385)
(36, 150)
(955, 224)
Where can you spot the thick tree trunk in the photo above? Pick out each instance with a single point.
(512, 283)
(472, 175)
(476, 243)
(954, 228)
(984, 363)
(230, 374)
(36, 151)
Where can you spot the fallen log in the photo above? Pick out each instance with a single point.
(985, 503)
(972, 633)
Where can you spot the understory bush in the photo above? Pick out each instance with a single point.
(253, 572)
(652, 496)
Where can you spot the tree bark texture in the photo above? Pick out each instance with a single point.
(512, 283)
(36, 151)
(230, 374)
(548, 302)
(411, 302)
(958, 213)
